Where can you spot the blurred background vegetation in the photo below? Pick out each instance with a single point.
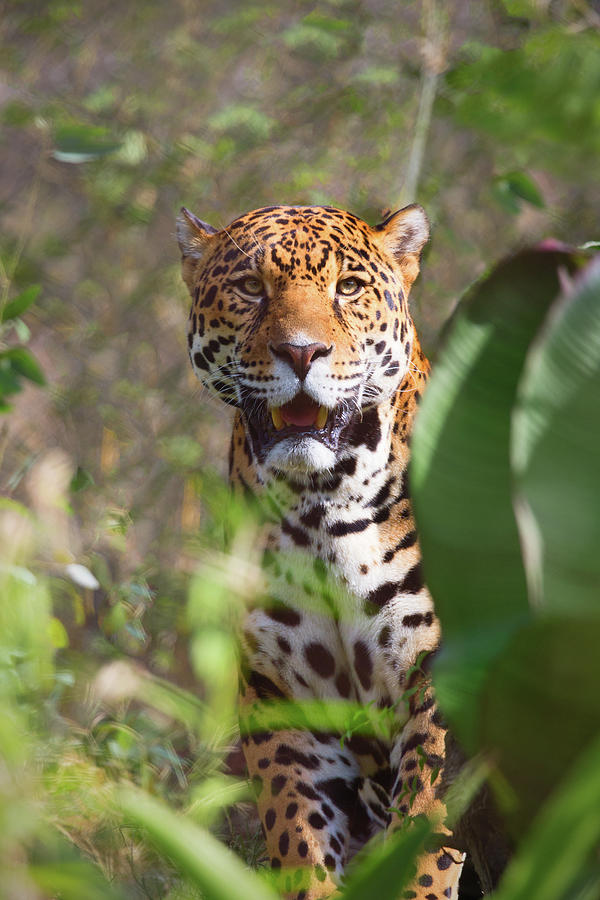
(112, 116)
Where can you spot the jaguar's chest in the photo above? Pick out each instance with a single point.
(347, 610)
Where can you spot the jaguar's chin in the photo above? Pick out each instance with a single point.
(300, 435)
(300, 454)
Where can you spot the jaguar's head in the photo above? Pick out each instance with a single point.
(300, 319)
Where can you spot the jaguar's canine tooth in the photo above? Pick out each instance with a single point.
(277, 417)
(321, 417)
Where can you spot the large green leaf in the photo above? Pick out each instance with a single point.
(461, 478)
(555, 446)
(552, 858)
(196, 853)
(540, 706)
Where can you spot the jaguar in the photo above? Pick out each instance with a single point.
(300, 321)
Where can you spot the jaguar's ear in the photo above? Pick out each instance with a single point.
(193, 235)
(404, 234)
(405, 231)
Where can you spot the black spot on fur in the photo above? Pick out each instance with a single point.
(417, 619)
(319, 659)
(413, 580)
(284, 645)
(367, 431)
(316, 820)
(384, 636)
(307, 791)
(312, 518)
(284, 615)
(284, 843)
(444, 861)
(378, 597)
(363, 664)
(277, 784)
(339, 529)
(299, 537)
(417, 740)
(264, 687)
(341, 794)
(343, 685)
(286, 756)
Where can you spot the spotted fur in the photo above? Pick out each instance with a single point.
(300, 320)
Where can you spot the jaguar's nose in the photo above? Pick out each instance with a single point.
(300, 356)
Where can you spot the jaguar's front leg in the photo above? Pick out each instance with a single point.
(306, 788)
(419, 758)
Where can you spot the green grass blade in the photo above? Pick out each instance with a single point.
(196, 853)
(388, 866)
(73, 881)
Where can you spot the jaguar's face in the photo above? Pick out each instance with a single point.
(300, 319)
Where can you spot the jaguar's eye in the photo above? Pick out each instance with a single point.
(251, 286)
(348, 287)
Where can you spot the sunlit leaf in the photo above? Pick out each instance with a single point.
(57, 633)
(82, 576)
(242, 116)
(524, 9)
(81, 143)
(461, 476)
(326, 23)
(555, 447)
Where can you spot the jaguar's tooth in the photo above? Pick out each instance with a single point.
(321, 417)
(277, 417)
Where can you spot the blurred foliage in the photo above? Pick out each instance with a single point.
(506, 495)
(123, 563)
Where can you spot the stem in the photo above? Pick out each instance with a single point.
(432, 65)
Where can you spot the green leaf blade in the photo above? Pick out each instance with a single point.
(388, 867)
(21, 303)
(22, 362)
(195, 852)
(562, 838)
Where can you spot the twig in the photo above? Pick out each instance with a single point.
(433, 64)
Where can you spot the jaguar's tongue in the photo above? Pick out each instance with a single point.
(302, 411)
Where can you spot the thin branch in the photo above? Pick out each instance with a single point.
(433, 64)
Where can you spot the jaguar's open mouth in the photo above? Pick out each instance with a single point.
(301, 412)
(301, 417)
